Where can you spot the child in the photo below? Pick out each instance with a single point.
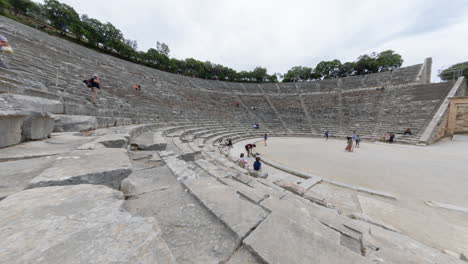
(242, 162)
(358, 140)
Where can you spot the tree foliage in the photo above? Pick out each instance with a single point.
(455, 71)
(367, 63)
(61, 16)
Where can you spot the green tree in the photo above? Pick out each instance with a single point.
(299, 73)
(455, 71)
(259, 74)
(21, 6)
(388, 60)
(346, 69)
(61, 16)
(4, 4)
(328, 69)
(367, 64)
(163, 48)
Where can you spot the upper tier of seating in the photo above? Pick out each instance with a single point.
(372, 104)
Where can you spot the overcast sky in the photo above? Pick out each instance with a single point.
(243, 34)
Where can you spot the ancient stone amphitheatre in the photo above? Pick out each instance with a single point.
(143, 178)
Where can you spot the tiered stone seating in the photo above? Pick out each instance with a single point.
(52, 68)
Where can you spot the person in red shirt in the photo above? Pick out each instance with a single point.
(249, 148)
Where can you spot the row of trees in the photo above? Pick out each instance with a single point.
(106, 37)
(373, 63)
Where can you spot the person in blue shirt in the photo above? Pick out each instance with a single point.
(358, 140)
(265, 137)
(257, 166)
(257, 169)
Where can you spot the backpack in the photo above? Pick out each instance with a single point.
(88, 83)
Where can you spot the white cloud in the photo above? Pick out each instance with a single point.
(277, 34)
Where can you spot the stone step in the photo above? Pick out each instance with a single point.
(88, 222)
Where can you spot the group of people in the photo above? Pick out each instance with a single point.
(389, 137)
(257, 165)
(95, 84)
(352, 142)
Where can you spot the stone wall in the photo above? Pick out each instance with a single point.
(462, 118)
(437, 127)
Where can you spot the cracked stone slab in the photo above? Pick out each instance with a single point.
(251, 194)
(107, 141)
(99, 166)
(151, 141)
(294, 188)
(212, 169)
(280, 239)
(77, 224)
(240, 215)
(307, 184)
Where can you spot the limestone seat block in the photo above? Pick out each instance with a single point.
(104, 166)
(70, 123)
(76, 224)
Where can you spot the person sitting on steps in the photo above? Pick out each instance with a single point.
(258, 172)
(242, 162)
(408, 132)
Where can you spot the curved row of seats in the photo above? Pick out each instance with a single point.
(53, 68)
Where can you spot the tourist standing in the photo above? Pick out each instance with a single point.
(326, 135)
(94, 84)
(265, 137)
(358, 140)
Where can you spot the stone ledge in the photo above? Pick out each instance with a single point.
(100, 166)
(77, 224)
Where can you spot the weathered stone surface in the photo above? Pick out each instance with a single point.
(192, 233)
(57, 144)
(447, 206)
(238, 214)
(108, 141)
(243, 256)
(100, 166)
(151, 141)
(212, 169)
(10, 127)
(436, 233)
(317, 198)
(138, 155)
(307, 184)
(15, 175)
(37, 125)
(294, 188)
(68, 123)
(32, 103)
(76, 224)
(249, 193)
(280, 239)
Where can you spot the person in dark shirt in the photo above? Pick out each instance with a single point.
(249, 148)
(257, 166)
(94, 84)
